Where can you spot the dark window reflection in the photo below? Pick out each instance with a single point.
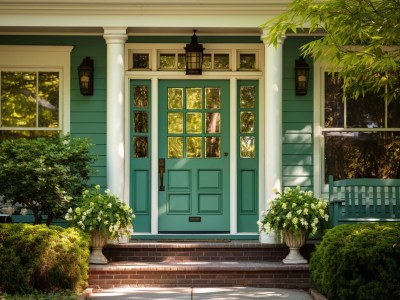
(367, 112)
(334, 108)
(140, 146)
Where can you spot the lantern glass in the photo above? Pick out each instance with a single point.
(85, 75)
(302, 71)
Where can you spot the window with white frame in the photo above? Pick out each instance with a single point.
(34, 91)
(361, 138)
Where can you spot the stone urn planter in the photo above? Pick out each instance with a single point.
(294, 242)
(98, 241)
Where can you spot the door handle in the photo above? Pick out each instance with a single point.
(161, 171)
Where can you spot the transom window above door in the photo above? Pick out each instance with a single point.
(217, 57)
(194, 122)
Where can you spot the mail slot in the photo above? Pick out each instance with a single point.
(194, 219)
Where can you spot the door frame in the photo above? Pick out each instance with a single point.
(233, 76)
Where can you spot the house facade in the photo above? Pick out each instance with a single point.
(190, 153)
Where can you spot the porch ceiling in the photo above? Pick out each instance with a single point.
(139, 16)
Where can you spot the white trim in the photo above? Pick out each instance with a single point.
(318, 137)
(233, 139)
(55, 58)
(154, 155)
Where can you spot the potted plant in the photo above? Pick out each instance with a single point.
(293, 215)
(104, 216)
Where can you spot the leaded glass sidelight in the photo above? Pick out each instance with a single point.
(247, 147)
(140, 96)
(247, 96)
(247, 122)
(140, 120)
(140, 147)
(213, 98)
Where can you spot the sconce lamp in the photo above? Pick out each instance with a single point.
(85, 75)
(301, 75)
(194, 56)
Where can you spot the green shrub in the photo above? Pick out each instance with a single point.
(43, 174)
(42, 258)
(358, 261)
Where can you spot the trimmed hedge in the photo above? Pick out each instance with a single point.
(358, 261)
(37, 257)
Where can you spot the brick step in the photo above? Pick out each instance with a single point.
(170, 251)
(199, 274)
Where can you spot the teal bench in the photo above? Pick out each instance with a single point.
(364, 200)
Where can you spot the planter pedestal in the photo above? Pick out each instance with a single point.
(97, 242)
(294, 242)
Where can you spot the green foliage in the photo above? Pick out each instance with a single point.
(103, 212)
(294, 211)
(358, 262)
(362, 40)
(44, 174)
(42, 258)
(38, 295)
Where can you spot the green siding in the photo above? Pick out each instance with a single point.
(297, 160)
(88, 113)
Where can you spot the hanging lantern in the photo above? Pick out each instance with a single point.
(85, 75)
(301, 75)
(194, 56)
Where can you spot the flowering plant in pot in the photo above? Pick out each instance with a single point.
(104, 216)
(293, 215)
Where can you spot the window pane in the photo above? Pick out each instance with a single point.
(175, 122)
(368, 112)
(193, 147)
(18, 99)
(213, 98)
(167, 61)
(207, 62)
(362, 155)
(181, 62)
(175, 147)
(334, 107)
(141, 61)
(221, 61)
(140, 96)
(194, 123)
(247, 147)
(16, 134)
(247, 122)
(247, 96)
(140, 146)
(193, 98)
(140, 120)
(175, 98)
(213, 147)
(247, 61)
(48, 100)
(213, 122)
(393, 114)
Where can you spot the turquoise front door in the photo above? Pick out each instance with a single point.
(193, 179)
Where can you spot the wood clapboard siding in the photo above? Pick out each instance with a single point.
(297, 148)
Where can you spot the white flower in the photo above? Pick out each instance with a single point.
(295, 220)
(23, 211)
(305, 211)
(289, 215)
(299, 211)
(109, 205)
(107, 191)
(70, 210)
(284, 205)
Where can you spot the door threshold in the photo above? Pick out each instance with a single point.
(195, 236)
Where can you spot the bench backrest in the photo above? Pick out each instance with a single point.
(369, 198)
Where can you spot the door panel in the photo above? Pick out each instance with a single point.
(194, 141)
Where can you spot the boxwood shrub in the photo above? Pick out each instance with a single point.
(38, 257)
(358, 261)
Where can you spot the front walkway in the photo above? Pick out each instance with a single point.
(227, 293)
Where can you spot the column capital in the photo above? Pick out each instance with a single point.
(265, 33)
(115, 35)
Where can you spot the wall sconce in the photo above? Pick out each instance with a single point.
(85, 75)
(301, 75)
(194, 56)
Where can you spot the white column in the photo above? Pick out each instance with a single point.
(273, 119)
(273, 128)
(115, 38)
